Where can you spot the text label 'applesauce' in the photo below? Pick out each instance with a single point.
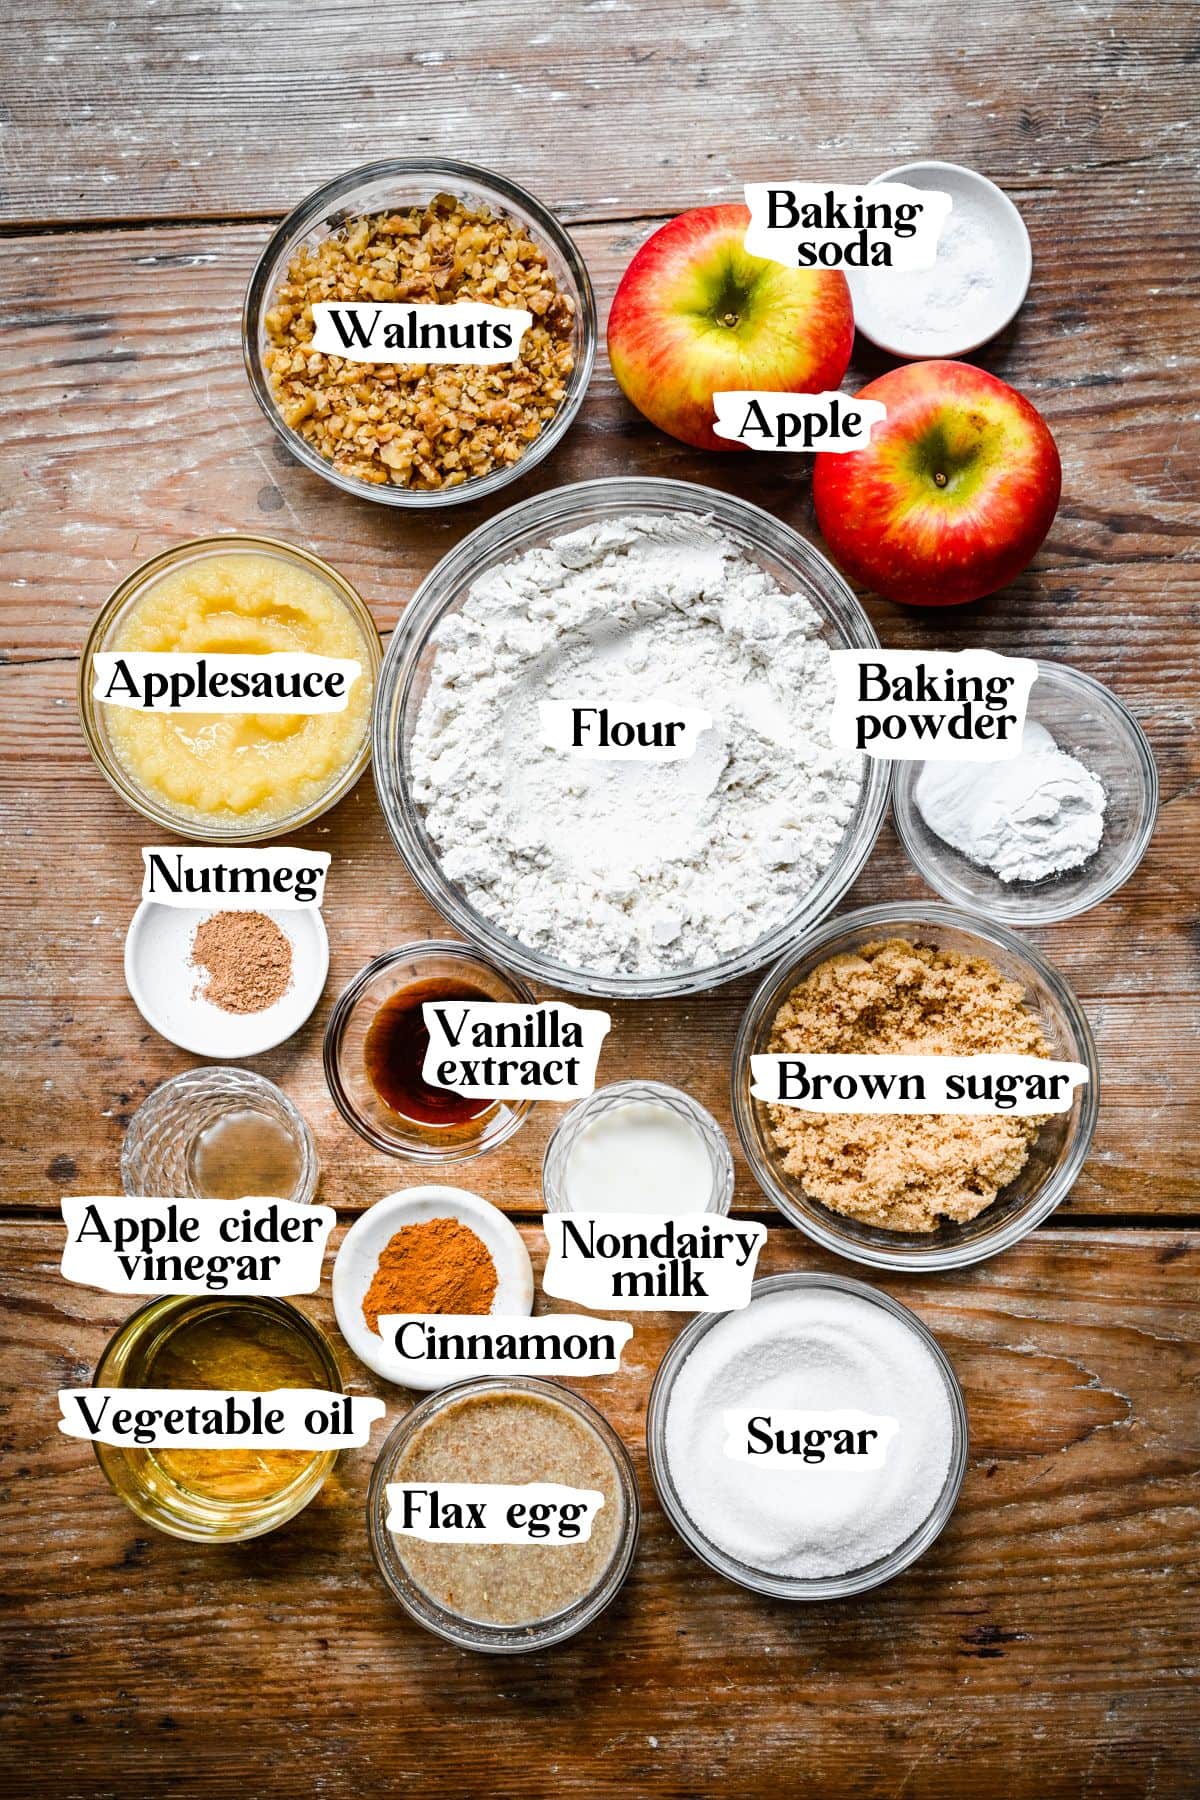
(285, 877)
(813, 225)
(913, 705)
(184, 681)
(392, 332)
(766, 421)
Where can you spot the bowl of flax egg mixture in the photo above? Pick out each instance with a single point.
(641, 875)
(507, 1597)
(928, 1190)
(233, 777)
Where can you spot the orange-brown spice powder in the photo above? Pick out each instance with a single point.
(437, 1266)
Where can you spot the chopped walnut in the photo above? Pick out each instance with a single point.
(420, 425)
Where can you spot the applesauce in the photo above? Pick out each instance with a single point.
(239, 775)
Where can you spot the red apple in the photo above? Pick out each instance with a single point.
(695, 316)
(953, 494)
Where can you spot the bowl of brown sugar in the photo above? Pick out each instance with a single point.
(919, 1190)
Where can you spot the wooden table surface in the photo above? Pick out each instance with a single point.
(1048, 1644)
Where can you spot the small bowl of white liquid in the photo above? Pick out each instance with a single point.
(638, 1146)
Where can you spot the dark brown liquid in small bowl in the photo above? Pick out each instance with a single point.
(394, 1054)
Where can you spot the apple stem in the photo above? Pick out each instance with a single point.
(939, 479)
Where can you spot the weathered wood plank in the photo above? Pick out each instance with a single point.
(86, 1058)
(1051, 1632)
(134, 424)
(606, 110)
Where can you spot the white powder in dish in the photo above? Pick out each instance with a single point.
(633, 866)
(809, 1349)
(1038, 814)
(960, 300)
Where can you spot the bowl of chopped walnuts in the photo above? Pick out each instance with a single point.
(405, 234)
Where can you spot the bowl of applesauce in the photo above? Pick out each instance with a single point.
(231, 776)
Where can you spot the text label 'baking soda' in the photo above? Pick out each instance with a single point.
(813, 225)
(218, 1418)
(651, 1263)
(185, 681)
(492, 1512)
(851, 1440)
(632, 733)
(1017, 1085)
(392, 332)
(910, 705)
(242, 880)
(764, 421)
(153, 1246)
(502, 1050)
(462, 1344)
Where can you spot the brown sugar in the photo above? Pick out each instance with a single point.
(905, 1172)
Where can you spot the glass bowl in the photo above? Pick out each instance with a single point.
(1055, 1158)
(470, 1634)
(794, 1587)
(625, 1093)
(406, 674)
(1086, 720)
(92, 711)
(152, 1491)
(345, 1064)
(158, 1156)
(412, 181)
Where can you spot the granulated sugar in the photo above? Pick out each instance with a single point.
(633, 866)
(813, 1349)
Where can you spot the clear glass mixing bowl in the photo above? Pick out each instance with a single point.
(393, 184)
(1055, 1157)
(406, 675)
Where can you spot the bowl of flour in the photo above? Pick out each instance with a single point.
(645, 874)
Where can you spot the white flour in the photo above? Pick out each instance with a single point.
(633, 867)
(1039, 814)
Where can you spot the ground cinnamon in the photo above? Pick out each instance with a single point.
(437, 1266)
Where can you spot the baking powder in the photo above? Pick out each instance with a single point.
(1037, 814)
(633, 866)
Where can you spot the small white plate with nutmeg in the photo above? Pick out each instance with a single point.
(228, 984)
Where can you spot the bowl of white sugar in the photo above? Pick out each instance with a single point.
(813, 1444)
(1048, 833)
(603, 738)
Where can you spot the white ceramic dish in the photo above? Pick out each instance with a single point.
(1013, 262)
(358, 1258)
(163, 982)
